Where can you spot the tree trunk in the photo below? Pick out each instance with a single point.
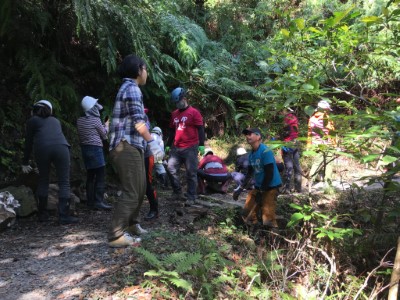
(395, 278)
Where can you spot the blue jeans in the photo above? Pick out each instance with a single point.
(187, 156)
(93, 156)
(291, 159)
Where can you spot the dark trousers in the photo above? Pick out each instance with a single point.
(213, 182)
(187, 156)
(291, 160)
(59, 156)
(95, 185)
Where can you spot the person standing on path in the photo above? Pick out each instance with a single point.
(44, 135)
(320, 128)
(151, 192)
(159, 168)
(260, 205)
(187, 140)
(91, 134)
(291, 153)
(129, 137)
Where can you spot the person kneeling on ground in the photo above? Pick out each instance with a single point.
(260, 203)
(212, 174)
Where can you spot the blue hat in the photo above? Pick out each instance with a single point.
(178, 94)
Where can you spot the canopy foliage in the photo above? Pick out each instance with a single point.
(242, 61)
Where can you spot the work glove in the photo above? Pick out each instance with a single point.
(201, 150)
(237, 192)
(156, 150)
(26, 169)
(259, 197)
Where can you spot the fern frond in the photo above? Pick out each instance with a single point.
(173, 258)
(187, 37)
(187, 264)
(150, 258)
(182, 283)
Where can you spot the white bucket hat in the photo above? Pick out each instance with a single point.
(324, 105)
(88, 102)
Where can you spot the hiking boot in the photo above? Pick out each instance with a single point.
(136, 229)
(124, 241)
(151, 215)
(64, 216)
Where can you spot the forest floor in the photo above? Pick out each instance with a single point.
(49, 261)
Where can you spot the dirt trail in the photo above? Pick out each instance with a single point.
(49, 261)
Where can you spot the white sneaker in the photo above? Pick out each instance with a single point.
(136, 229)
(124, 241)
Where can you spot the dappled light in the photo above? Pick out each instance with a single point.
(314, 84)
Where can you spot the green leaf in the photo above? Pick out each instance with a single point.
(295, 218)
(152, 273)
(371, 19)
(181, 283)
(307, 86)
(300, 23)
(285, 32)
(370, 157)
(293, 205)
(387, 159)
(309, 110)
(313, 29)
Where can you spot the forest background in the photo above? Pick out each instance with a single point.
(241, 61)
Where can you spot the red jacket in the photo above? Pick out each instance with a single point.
(212, 164)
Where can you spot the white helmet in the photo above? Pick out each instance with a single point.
(241, 151)
(207, 151)
(44, 102)
(88, 102)
(157, 130)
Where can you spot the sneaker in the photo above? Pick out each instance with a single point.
(136, 229)
(124, 241)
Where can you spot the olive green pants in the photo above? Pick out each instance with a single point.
(324, 163)
(128, 162)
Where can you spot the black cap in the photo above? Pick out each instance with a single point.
(252, 130)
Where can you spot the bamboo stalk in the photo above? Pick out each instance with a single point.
(395, 278)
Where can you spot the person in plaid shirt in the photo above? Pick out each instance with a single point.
(129, 138)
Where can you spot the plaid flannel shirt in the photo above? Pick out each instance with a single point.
(128, 110)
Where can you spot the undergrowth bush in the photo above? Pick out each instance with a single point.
(313, 258)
